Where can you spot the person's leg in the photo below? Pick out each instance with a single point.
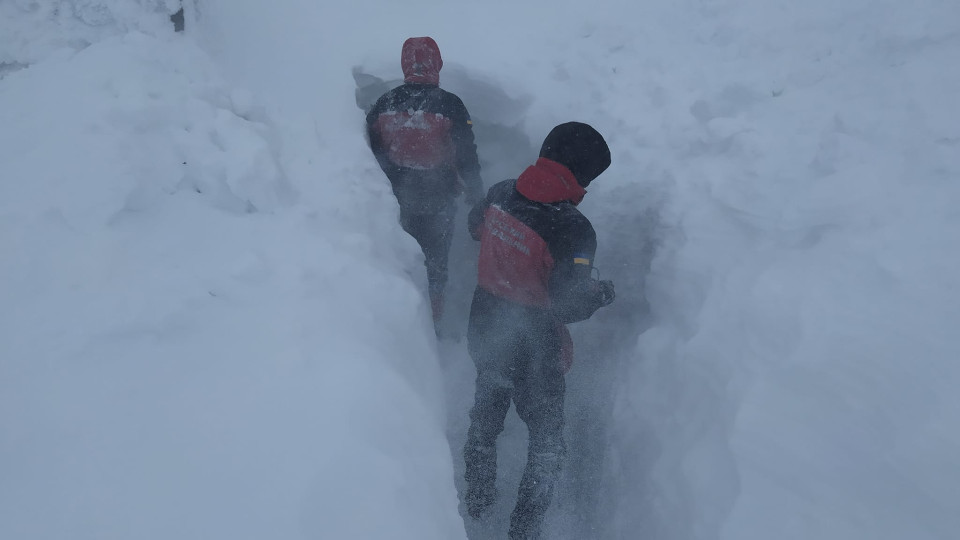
(489, 410)
(492, 349)
(436, 252)
(539, 397)
(434, 233)
(415, 224)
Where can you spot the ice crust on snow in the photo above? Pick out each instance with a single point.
(212, 326)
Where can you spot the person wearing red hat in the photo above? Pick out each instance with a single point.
(534, 277)
(422, 137)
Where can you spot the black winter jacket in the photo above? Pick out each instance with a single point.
(537, 249)
(422, 133)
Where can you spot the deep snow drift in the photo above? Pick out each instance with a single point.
(211, 325)
(209, 328)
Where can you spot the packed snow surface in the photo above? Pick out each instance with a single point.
(211, 325)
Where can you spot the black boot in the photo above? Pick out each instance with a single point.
(536, 492)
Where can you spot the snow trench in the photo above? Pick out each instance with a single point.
(211, 324)
(604, 346)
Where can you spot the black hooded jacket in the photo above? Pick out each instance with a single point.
(537, 249)
(422, 135)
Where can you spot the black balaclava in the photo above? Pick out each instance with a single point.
(578, 147)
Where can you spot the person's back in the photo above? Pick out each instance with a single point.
(413, 135)
(534, 276)
(422, 138)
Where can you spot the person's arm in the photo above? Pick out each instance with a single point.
(575, 296)
(467, 162)
(498, 191)
(376, 140)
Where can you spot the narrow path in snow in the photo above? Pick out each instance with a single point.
(603, 345)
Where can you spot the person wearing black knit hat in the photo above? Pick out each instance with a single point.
(579, 148)
(534, 278)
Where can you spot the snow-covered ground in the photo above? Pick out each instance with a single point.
(212, 327)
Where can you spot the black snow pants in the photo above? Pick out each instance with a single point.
(434, 233)
(516, 351)
(427, 209)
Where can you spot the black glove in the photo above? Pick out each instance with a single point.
(605, 291)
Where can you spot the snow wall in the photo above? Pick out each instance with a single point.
(213, 327)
